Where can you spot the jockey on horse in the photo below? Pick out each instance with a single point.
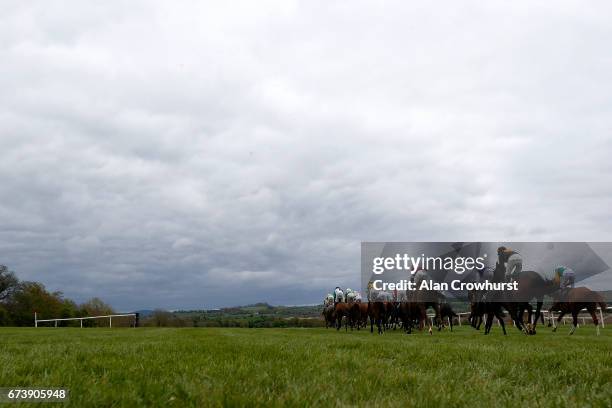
(338, 295)
(350, 295)
(565, 278)
(512, 261)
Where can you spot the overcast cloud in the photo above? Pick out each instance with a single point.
(188, 155)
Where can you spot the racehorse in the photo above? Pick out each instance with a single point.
(410, 312)
(342, 310)
(427, 299)
(494, 309)
(329, 315)
(414, 309)
(377, 313)
(531, 285)
(477, 311)
(354, 315)
(576, 300)
(390, 315)
(446, 311)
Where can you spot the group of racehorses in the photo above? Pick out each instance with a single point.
(484, 307)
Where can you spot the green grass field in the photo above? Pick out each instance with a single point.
(310, 367)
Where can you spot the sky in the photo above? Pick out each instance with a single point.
(188, 155)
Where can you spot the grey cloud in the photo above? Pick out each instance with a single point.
(201, 155)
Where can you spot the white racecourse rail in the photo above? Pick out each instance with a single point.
(551, 316)
(110, 319)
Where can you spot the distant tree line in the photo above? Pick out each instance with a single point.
(162, 318)
(20, 299)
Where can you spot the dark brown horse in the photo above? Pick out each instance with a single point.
(531, 285)
(414, 309)
(576, 300)
(491, 305)
(329, 315)
(477, 312)
(377, 314)
(446, 311)
(354, 315)
(411, 312)
(342, 310)
(390, 320)
(427, 299)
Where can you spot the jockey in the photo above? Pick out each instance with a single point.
(419, 276)
(350, 295)
(329, 300)
(338, 295)
(357, 297)
(512, 260)
(384, 296)
(566, 278)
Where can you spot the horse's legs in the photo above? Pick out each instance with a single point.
(437, 315)
(574, 321)
(537, 314)
(371, 324)
(530, 318)
(591, 310)
(500, 319)
(529, 312)
(517, 318)
(489, 321)
(558, 320)
(407, 324)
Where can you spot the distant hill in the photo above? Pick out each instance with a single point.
(257, 309)
(266, 315)
(253, 315)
